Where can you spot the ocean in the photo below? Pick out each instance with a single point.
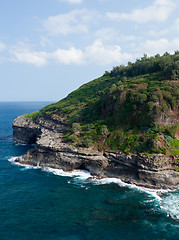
(49, 204)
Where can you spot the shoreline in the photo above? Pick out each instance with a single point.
(86, 178)
(49, 150)
(71, 173)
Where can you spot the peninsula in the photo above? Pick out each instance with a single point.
(124, 124)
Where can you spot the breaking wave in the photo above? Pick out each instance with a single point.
(168, 200)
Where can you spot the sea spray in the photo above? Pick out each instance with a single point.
(167, 200)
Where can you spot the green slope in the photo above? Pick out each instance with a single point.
(123, 109)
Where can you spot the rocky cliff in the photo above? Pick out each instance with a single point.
(154, 171)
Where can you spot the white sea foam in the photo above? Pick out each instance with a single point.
(19, 144)
(84, 175)
(168, 202)
(153, 192)
(25, 166)
(79, 174)
(12, 159)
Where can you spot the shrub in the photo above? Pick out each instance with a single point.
(87, 142)
(175, 152)
(113, 88)
(90, 126)
(171, 130)
(76, 127)
(33, 115)
(175, 143)
(104, 131)
(73, 138)
(142, 97)
(150, 105)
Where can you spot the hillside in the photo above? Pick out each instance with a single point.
(132, 108)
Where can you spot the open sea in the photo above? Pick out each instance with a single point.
(49, 204)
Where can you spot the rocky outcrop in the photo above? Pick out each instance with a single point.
(157, 171)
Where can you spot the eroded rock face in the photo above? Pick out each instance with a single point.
(25, 131)
(50, 151)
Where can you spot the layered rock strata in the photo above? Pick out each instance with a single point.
(158, 171)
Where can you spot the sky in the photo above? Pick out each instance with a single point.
(49, 48)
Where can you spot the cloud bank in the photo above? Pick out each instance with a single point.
(96, 53)
(159, 11)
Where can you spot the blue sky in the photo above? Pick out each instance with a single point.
(50, 47)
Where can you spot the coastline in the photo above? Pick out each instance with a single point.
(155, 172)
(86, 176)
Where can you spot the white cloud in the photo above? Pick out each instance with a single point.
(176, 25)
(157, 34)
(159, 11)
(97, 53)
(106, 34)
(74, 22)
(2, 46)
(45, 42)
(70, 56)
(160, 46)
(22, 54)
(72, 1)
(100, 54)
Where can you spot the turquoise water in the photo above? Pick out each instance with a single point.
(46, 204)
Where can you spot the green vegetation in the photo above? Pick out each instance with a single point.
(125, 109)
(33, 115)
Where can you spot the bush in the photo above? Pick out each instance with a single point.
(171, 130)
(175, 143)
(33, 115)
(150, 105)
(90, 126)
(104, 131)
(76, 127)
(142, 97)
(87, 142)
(175, 152)
(73, 138)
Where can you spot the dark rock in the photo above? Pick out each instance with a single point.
(157, 171)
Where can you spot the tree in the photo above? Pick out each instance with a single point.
(113, 88)
(144, 58)
(87, 142)
(76, 127)
(104, 131)
(142, 97)
(157, 55)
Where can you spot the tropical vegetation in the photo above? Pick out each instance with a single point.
(131, 108)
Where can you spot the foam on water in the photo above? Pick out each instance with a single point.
(79, 174)
(170, 204)
(153, 192)
(168, 200)
(25, 166)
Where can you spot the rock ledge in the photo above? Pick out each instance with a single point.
(157, 171)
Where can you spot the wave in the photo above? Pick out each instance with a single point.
(168, 200)
(25, 166)
(170, 204)
(79, 174)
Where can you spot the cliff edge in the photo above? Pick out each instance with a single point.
(152, 171)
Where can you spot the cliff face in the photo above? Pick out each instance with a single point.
(158, 171)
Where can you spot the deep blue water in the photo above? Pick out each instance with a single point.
(37, 204)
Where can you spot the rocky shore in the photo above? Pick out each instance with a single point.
(154, 171)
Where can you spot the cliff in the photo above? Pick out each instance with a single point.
(123, 124)
(153, 171)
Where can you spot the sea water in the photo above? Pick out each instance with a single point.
(48, 204)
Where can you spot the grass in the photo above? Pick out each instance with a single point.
(175, 152)
(175, 143)
(32, 115)
(128, 101)
(176, 168)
